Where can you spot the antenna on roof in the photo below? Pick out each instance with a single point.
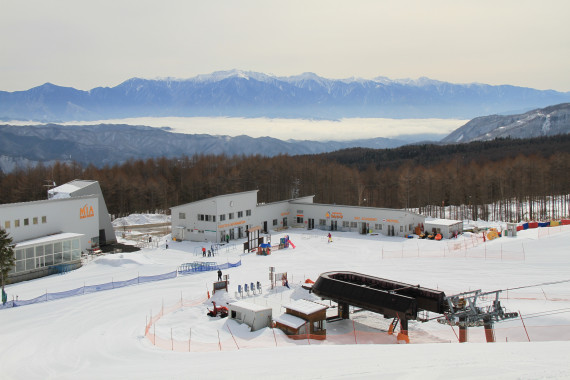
(50, 184)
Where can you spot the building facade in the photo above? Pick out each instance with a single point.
(55, 231)
(229, 216)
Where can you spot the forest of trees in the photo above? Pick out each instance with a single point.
(503, 173)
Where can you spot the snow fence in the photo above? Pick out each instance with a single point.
(86, 289)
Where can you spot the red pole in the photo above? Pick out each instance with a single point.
(525, 330)
(274, 337)
(232, 336)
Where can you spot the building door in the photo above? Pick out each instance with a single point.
(40, 262)
(364, 228)
(334, 225)
(240, 232)
(102, 237)
(232, 231)
(265, 227)
(285, 222)
(311, 224)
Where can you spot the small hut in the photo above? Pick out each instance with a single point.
(255, 316)
(446, 227)
(303, 317)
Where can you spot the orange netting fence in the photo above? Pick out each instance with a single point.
(351, 332)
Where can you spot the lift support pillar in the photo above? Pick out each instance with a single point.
(489, 331)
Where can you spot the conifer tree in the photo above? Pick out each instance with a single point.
(6, 259)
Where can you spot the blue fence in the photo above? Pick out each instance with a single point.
(114, 285)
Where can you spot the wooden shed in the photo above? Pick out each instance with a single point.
(255, 316)
(303, 317)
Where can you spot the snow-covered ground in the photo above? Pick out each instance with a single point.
(141, 219)
(102, 334)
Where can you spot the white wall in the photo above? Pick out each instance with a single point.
(62, 215)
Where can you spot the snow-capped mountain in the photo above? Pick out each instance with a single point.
(549, 121)
(251, 94)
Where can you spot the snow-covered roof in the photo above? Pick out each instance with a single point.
(290, 320)
(65, 190)
(249, 306)
(305, 307)
(442, 222)
(48, 239)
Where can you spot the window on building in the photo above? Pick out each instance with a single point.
(26, 222)
(231, 215)
(378, 226)
(181, 215)
(322, 222)
(201, 217)
(240, 214)
(299, 219)
(6, 224)
(213, 218)
(274, 222)
(44, 219)
(247, 212)
(401, 228)
(353, 224)
(345, 223)
(35, 220)
(17, 223)
(208, 218)
(222, 217)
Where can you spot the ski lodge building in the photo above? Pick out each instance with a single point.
(54, 232)
(216, 218)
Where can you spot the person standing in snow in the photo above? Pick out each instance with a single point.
(219, 275)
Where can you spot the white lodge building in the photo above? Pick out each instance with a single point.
(55, 231)
(216, 218)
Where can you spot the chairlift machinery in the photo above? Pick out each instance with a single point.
(464, 311)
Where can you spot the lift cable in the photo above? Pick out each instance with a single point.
(537, 285)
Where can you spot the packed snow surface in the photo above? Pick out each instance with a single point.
(101, 335)
(141, 219)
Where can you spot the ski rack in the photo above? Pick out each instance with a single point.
(464, 311)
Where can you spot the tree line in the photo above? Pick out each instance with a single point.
(505, 174)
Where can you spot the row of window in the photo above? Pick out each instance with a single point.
(24, 222)
(212, 218)
(43, 255)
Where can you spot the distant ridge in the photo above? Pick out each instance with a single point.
(102, 144)
(250, 94)
(549, 121)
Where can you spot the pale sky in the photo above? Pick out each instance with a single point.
(86, 44)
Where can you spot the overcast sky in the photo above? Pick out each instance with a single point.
(86, 44)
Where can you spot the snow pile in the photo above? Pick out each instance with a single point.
(141, 219)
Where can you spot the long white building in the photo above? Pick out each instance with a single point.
(216, 218)
(56, 231)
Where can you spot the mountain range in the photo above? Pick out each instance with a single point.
(114, 144)
(250, 94)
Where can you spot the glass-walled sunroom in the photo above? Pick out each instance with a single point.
(45, 253)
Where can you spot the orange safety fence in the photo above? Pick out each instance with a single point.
(360, 334)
